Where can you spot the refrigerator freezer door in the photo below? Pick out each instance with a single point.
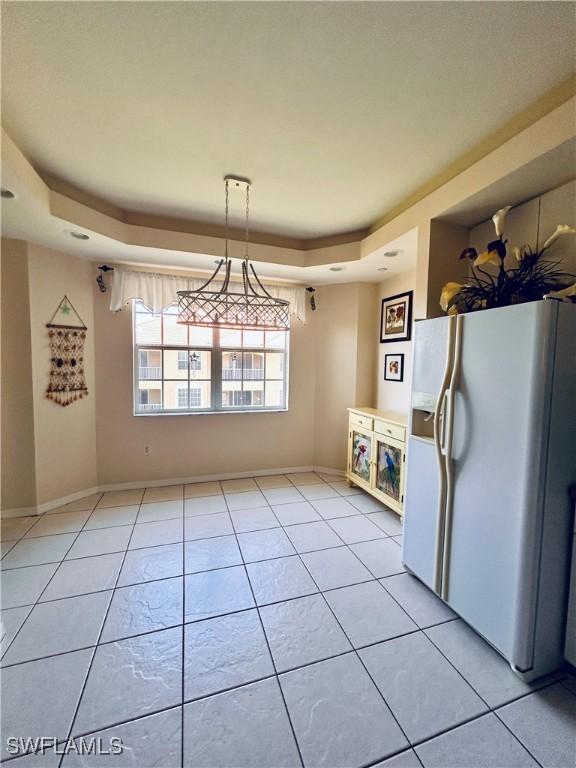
(430, 347)
(499, 451)
(424, 491)
(421, 510)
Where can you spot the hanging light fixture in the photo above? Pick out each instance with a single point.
(214, 305)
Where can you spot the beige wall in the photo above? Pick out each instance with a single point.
(344, 332)
(394, 395)
(447, 241)
(49, 452)
(533, 222)
(191, 446)
(366, 352)
(69, 449)
(65, 442)
(331, 368)
(18, 459)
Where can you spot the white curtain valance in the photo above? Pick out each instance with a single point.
(158, 291)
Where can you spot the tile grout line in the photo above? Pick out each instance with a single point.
(64, 510)
(219, 535)
(63, 559)
(511, 732)
(551, 683)
(274, 676)
(247, 575)
(183, 658)
(227, 613)
(354, 650)
(37, 601)
(121, 506)
(93, 656)
(473, 719)
(281, 527)
(377, 763)
(490, 709)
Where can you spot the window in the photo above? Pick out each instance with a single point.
(195, 397)
(181, 369)
(182, 397)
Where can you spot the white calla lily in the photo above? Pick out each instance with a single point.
(563, 293)
(449, 291)
(520, 251)
(561, 229)
(499, 218)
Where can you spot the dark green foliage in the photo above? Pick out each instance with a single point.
(529, 281)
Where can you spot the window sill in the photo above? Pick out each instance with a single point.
(210, 413)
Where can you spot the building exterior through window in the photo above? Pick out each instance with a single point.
(186, 369)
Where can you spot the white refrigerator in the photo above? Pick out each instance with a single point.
(491, 454)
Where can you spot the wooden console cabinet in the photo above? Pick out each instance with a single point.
(377, 454)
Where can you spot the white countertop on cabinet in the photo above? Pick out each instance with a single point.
(401, 419)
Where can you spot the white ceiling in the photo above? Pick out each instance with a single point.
(27, 217)
(337, 111)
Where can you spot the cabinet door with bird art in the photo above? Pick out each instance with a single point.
(360, 457)
(389, 478)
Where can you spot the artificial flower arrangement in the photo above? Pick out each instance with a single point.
(532, 277)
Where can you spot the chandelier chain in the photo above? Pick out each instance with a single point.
(227, 206)
(217, 306)
(247, 224)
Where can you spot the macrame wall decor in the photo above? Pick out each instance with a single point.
(66, 334)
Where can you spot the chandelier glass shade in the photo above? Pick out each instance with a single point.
(249, 305)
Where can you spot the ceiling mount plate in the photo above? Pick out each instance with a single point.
(237, 183)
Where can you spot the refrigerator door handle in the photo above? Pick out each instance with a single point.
(443, 420)
(438, 418)
(449, 430)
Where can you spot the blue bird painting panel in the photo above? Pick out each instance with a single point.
(388, 469)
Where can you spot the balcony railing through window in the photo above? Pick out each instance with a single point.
(188, 369)
(148, 373)
(237, 374)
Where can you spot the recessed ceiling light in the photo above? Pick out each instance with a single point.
(77, 235)
(391, 254)
(7, 194)
(337, 269)
(382, 269)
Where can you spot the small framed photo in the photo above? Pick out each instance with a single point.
(394, 367)
(396, 318)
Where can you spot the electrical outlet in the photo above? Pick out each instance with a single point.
(147, 449)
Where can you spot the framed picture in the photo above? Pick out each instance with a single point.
(396, 318)
(394, 367)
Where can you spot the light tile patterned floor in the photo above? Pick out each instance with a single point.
(256, 622)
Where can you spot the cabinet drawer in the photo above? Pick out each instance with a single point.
(361, 421)
(390, 430)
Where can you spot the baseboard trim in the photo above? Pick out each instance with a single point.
(60, 502)
(201, 478)
(330, 471)
(48, 505)
(39, 509)
(19, 512)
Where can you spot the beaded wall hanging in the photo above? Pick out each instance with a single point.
(67, 380)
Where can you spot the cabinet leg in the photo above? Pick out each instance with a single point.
(349, 483)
